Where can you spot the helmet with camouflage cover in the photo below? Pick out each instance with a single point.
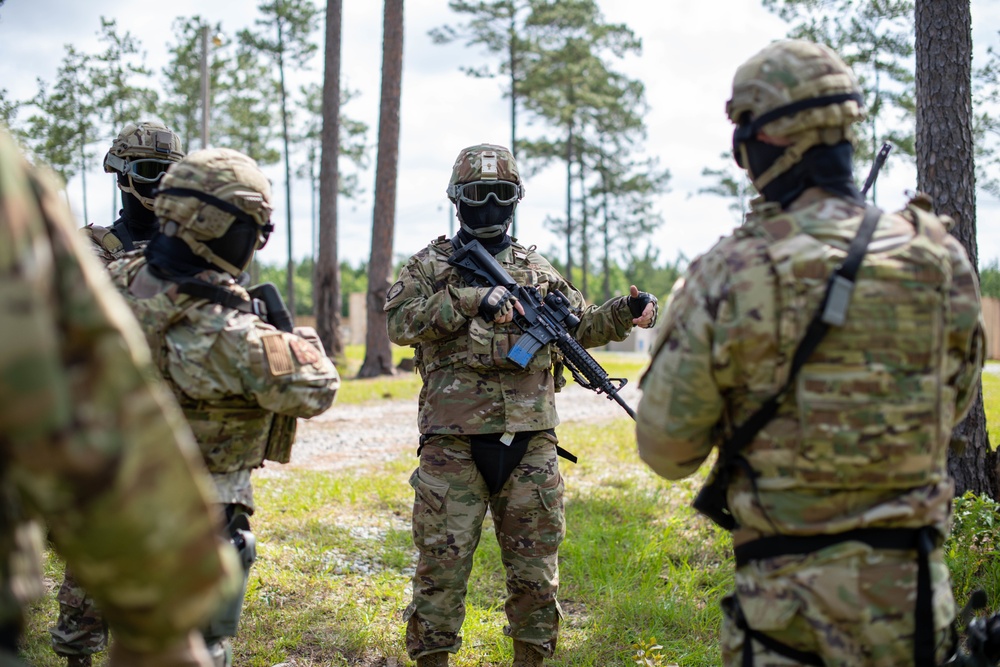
(140, 155)
(485, 187)
(218, 201)
(796, 90)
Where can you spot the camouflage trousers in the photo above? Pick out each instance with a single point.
(451, 499)
(850, 604)
(80, 628)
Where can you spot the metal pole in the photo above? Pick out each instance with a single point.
(204, 86)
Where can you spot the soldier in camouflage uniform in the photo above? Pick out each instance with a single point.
(839, 527)
(487, 425)
(93, 445)
(240, 381)
(138, 158)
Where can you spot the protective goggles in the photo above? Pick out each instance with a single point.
(478, 193)
(144, 170)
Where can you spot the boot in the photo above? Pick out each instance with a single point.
(78, 661)
(525, 655)
(439, 659)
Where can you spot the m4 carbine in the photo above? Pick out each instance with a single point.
(545, 320)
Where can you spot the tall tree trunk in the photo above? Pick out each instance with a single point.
(945, 171)
(290, 282)
(569, 203)
(606, 241)
(326, 280)
(512, 55)
(378, 352)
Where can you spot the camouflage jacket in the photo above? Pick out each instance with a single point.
(861, 438)
(90, 441)
(469, 386)
(231, 371)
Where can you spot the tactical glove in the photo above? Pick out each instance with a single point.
(496, 303)
(637, 304)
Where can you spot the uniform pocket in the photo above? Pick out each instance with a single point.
(430, 514)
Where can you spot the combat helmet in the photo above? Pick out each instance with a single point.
(797, 90)
(483, 174)
(218, 201)
(140, 155)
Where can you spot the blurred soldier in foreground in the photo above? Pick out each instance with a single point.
(240, 381)
(138, 158)
(839, 503)
(93, 446)
(488, 425)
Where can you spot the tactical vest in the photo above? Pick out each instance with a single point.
(872, 407)
(232, 433)
(481, 346)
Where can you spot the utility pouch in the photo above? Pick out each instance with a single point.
(280, 439)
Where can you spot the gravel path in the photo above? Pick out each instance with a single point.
(347, 436)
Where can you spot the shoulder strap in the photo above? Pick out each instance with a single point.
(120, 230)
(832, 311)
(219, 295)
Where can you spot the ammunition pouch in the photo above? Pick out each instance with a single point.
(280, 439)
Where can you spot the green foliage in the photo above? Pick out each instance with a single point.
(732, 183)
(989, 279)
(973, 551)
(181, 109)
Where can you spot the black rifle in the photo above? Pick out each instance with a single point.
(544, 321)
(883, 153)
(982, 642)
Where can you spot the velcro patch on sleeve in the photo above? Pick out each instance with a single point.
(304, 351)
(279, 358)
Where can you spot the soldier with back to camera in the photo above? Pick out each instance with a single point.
(826, 348)
(241, 380)
(487, 424)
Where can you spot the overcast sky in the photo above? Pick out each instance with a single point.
(690, 52)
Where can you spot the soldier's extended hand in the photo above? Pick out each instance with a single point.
(643, 307)
(498, 305)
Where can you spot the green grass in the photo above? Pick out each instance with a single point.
(335, 560)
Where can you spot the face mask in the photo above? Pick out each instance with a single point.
(486, 221)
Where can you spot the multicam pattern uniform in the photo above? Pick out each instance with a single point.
(860, 441)
(89, 442)
(470, 388)
(231, 371)
(106, 244)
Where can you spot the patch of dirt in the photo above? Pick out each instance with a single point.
(349, 436)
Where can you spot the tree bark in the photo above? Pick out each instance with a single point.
(326, 281)
(378, 352)
(946, 171)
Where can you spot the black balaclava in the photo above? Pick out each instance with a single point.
(827, 167)
(482, 217)
(141, 221)
(170, 257)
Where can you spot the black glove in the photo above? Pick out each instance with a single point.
(637, 304)
(496, 302)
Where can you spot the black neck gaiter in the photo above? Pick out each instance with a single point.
(828, 167)
(494, 246)
(141, 222)
(170, 258)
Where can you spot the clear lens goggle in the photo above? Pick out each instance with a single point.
(144, 170)
(478, 193)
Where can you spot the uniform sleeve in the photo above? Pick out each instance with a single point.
(290, 373)
(599, 325)
(416, 312)
(966, 333)
(91, 442)
(681, 405)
